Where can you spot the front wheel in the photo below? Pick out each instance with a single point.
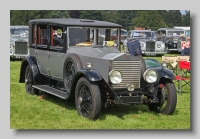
(88, 99)
(167, 99)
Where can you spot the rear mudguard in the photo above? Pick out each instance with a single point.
(31, 61)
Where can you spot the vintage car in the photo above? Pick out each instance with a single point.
(19, 41)
(172, 37)
(75, 65)
(148, 43)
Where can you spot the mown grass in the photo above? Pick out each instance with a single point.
(28, 112)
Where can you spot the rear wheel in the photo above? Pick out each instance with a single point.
(167, 99)
(29, 82)
(88, 99)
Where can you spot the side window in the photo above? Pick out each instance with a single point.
(42, 35)
(158, 32)
(57, 39)
(34, 34)
(163, 33)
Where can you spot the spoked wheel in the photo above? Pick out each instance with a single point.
(167, 99)
(69, 73)
(72, 65)
(88, 99)
(29, 82)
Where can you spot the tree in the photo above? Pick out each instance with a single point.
(110, 15)
(58, 14)
(74, 13)
(22, 17)
(125, 17)
(91, 14)
(186, 18)
(149, 19)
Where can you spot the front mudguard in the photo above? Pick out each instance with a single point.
(31, 61)
(91, 75)
(164, 74)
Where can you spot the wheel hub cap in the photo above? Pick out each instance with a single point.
(80, 100)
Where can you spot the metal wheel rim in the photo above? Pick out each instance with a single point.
(69, 73)
(29, 82)
(84, 100)
(164, 97)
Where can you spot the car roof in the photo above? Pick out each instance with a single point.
(18, 26)
(77, 22)
(171, 29)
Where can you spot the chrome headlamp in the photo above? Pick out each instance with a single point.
(158, 45)
(115, 76)
(150, 75)
(141, 44)
(11, 46)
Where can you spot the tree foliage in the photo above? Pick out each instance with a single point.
(92, 14)
(125, 17)
(186, 19)
(149, 20)
(110, 15)
(22, 17)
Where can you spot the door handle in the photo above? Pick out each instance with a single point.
(36, 53)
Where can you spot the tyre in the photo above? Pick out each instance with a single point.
(167, 99)
(88, 99)
(167, 50)
(29, 82)
(72, 65)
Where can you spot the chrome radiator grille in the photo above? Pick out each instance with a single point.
(130, 73)
(150, 46)
(21, 48)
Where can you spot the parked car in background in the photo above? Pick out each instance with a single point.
(19, 41)
(148, 42)
(74, 64)
(172, 37)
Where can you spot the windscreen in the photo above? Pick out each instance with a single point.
(87, 36)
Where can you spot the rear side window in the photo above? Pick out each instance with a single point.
(43, 35)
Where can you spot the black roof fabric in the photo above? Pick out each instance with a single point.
(77, 22)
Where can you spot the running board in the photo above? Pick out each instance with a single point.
(50, 90)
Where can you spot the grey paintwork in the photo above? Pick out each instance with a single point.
(51, 63)
(159, 46)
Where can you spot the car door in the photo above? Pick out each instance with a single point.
(42, 53)
(57, 51)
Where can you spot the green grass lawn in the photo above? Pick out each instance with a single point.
(28, 112)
